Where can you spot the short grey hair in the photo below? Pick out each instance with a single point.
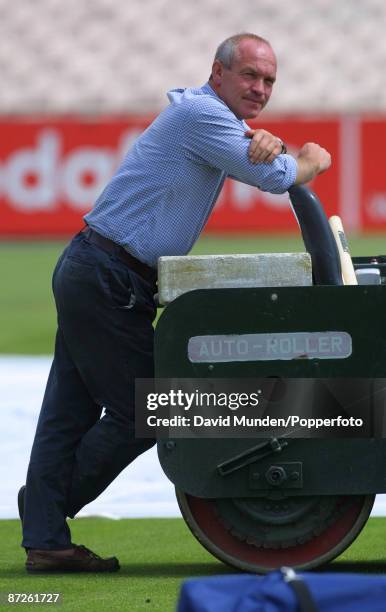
(226, 50)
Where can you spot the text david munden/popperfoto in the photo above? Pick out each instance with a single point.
(187, 408)
(235, 420)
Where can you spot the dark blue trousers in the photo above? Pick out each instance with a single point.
(104, 341)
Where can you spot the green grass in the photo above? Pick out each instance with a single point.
(156, 555)
(27, 313)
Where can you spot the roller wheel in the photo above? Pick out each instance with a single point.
(261, 534)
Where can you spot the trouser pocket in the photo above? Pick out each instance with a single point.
(129, 291)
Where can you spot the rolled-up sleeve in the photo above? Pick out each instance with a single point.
(214, 136)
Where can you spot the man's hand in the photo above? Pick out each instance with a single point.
(264, 147)
(312, 160)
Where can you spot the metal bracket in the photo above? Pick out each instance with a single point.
(252, 455)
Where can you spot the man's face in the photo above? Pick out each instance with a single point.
(247, 85)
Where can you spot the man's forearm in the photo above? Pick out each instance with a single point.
(307, 170)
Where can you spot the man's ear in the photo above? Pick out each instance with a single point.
(217, 72)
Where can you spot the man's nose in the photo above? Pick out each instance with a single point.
(258, 87)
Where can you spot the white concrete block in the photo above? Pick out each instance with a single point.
(177, 275)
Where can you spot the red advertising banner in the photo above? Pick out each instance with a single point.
(373, 174)
(52, 170)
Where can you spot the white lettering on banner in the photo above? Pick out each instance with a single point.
(377, 206)
(39, 166)
(91, 161)
(35, 178)
(278, 201)
(244, 196)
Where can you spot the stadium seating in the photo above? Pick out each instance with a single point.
(122, 55)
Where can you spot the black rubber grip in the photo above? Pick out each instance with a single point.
(317, 236)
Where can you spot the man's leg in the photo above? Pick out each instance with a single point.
(68, 412)
(104, 316)
(123, 307)
(103, 453)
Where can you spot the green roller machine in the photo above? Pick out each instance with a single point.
(265, 501)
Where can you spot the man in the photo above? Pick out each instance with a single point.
(156, 204)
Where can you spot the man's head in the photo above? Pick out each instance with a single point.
(243, 74)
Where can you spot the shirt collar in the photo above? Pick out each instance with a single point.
(208, 90)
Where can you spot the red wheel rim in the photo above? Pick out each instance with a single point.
(204, 523)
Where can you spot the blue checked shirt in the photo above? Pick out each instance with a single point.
(164, 191)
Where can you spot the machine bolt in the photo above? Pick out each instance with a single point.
(295, 476)
(170, 444)
(211, 367)
(276, 475)
(274, 297)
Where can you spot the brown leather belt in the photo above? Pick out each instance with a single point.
(147, 273)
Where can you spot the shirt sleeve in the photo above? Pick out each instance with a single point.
(215, 137)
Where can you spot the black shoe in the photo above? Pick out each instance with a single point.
(20, 502)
